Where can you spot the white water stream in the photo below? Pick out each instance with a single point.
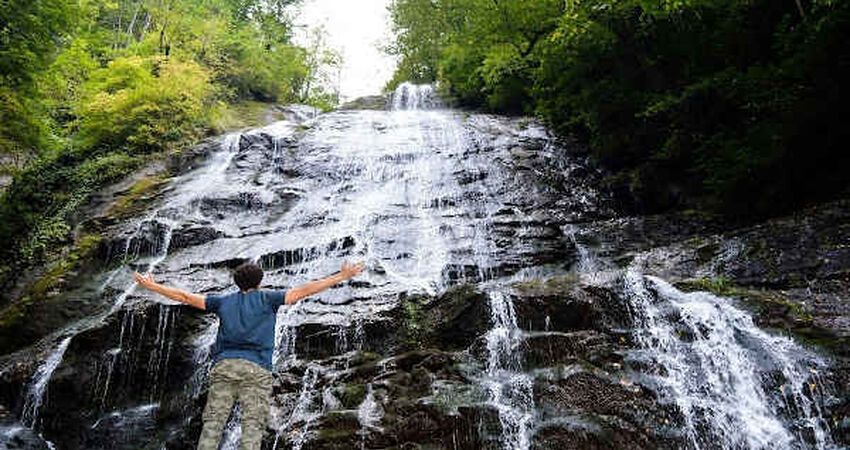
(414, 193)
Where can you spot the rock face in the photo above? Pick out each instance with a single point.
(369, 102)
(505, 304)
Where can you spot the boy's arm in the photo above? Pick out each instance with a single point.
(348, 271)
(198, 301)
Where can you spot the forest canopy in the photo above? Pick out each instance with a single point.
(723, 105)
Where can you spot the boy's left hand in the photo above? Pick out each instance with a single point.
(351, 270)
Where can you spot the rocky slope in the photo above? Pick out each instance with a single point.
(506, 305)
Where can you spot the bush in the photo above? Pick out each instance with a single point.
(143, 104)
(22, 130)
(255, 71)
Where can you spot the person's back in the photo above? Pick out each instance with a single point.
(246, 326)
(242, 354)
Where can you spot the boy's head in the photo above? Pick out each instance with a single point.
(248, 276)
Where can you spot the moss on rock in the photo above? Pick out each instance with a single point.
(137, 197)
(775, 309)
(352, 394)
(548, 286)
(53, 282)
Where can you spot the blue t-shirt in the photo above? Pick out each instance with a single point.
(246, 325)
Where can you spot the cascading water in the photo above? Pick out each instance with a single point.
(431, 199)
(510, 389)
(36, 391)
(305, 412)
(369, 415)
(718, 366)
(161, 240)
(414, 96)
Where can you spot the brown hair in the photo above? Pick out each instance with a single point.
(248, 276)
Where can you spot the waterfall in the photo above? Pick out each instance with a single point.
(716, 364)
(369, 415)
(409, 96)
(509, 388)
(38, 386)
(163, 343)
(305, 412)
(432, 199)
(161, 244)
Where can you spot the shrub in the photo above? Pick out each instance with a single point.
(143, 104)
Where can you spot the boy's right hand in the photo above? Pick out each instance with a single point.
(146, 281)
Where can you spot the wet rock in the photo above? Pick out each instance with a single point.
(558, 304)
(147, 238)
(552, 348)
(618, 414)
(16, 437)
(219, 207)
(793, 269)
(256, 140)
(98, 374)
(456, 207)
(190, 235)
(374, 102)
(467, 177)
(190, 157)
(122, 429)
(288, 257)
(295, 112)
(451, 321)
(337, 430)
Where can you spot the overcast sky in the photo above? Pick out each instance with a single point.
(355, 28)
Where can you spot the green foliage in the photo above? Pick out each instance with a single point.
(88, 88)
(29, 34)
(267, 74)
(143, 104)
(418, 27)
(22, 131)
(37, 205)
(727, 105)
(60, 85)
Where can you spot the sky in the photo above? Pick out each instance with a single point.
(355, 28)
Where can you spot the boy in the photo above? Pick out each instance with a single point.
(242, 354)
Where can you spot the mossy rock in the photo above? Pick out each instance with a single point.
(137, 197)
(451, 321)
(548, 286)
(351, 394)
(47, 295)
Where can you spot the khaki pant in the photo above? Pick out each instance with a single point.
(251, 385)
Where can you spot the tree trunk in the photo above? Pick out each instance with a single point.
(133, 24)
(800, 8)
(147, 23)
